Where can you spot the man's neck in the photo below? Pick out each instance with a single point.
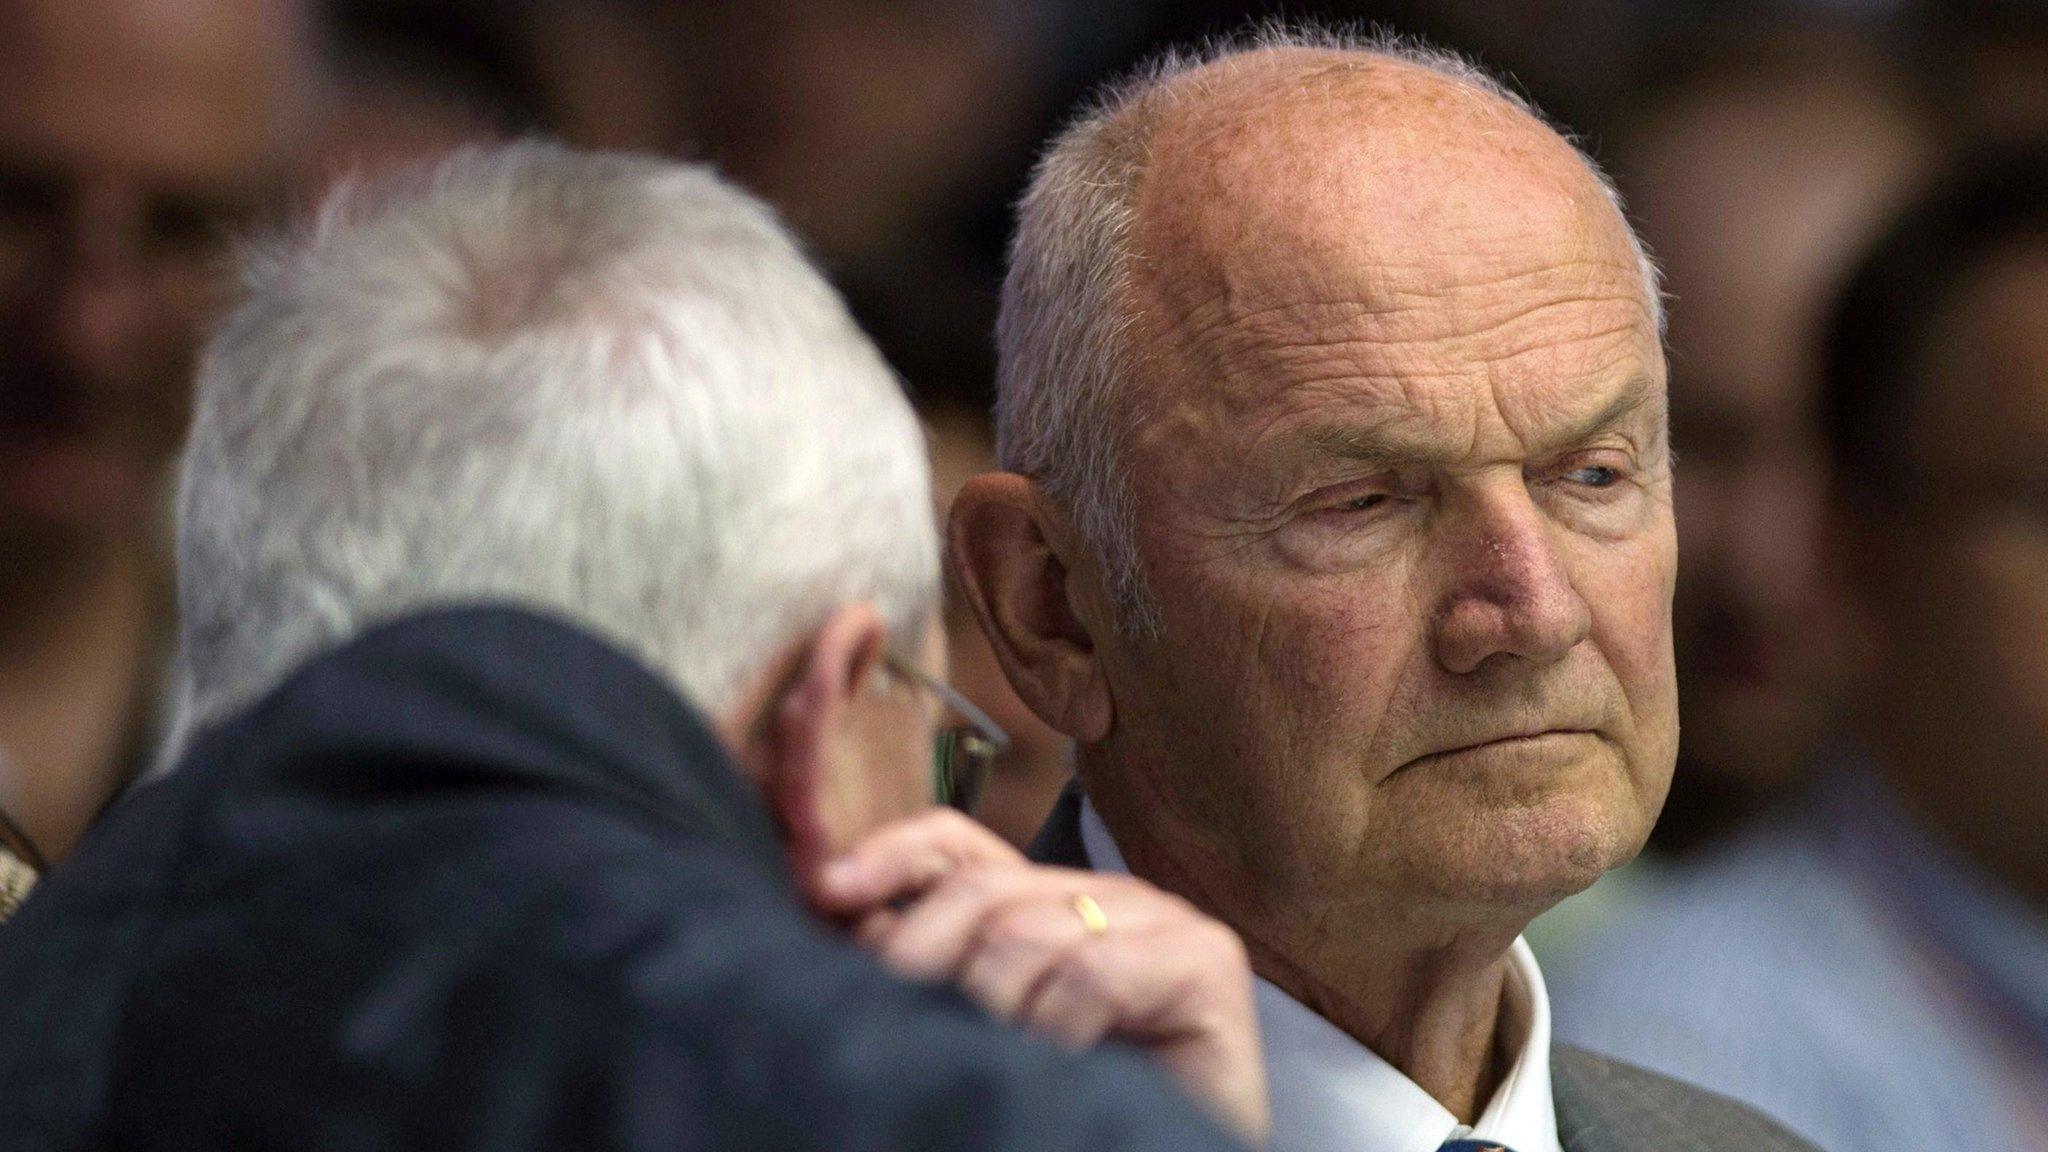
(1426, 1000)
(1435, 1018)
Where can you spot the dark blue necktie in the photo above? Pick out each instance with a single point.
(1474, 1146)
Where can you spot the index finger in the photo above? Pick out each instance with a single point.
(903, 859)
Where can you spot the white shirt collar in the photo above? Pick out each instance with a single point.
(1330, 1092)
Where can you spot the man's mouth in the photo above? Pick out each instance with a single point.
(1530, 742)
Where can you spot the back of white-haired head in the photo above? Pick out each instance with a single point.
(606, 387)
(1063, 354)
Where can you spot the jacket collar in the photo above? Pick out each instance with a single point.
(496, 695)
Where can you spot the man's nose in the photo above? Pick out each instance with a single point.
(1509, 593)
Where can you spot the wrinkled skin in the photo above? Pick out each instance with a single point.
(1756, 193)
(1405, 494)
(1402, 493)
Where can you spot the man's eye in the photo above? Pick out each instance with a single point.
(1364, 503)
(1595, 476)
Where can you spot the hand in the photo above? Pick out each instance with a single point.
(941, 898)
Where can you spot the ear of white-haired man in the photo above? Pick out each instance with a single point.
(840, 750)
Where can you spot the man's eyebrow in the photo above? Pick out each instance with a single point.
(1381, 443)
(1639, 393)
(1368, 444)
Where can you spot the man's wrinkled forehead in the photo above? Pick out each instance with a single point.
(1318, 192)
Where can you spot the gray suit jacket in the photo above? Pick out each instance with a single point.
(1603, 1105)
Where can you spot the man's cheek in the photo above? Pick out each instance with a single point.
(1632, 585)
(1351, 703)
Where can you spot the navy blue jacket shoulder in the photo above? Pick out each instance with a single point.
(478, 881)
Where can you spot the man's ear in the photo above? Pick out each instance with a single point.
(1010, 551)
(801, 747)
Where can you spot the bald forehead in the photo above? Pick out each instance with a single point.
(1241, 99)
(1315, 224)
(1349, 148)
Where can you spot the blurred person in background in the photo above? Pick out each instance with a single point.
(1872, 966)
(1756, 181)
(607, 76)
(131, 133)
(1987, 61)
(891, 133)
(1756, 170)
(409, 79)
(559, 600)
(405, 82)
(864, 121)
(1027, 777)
(1336, 532)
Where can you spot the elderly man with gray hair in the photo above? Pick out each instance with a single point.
(1337, 532)
(558, 580)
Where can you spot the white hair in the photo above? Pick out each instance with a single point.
(1062, 342)
(606, 387)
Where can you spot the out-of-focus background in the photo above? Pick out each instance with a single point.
(1763, 150)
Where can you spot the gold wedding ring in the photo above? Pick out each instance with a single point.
(1093, 918)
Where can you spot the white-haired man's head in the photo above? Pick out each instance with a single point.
(1063, 352)
(606, 387)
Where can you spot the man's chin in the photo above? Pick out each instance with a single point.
(1525, 858)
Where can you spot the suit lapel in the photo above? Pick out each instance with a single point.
(1607, 1106)
(1580, 1125)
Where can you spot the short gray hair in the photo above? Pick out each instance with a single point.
(606, 387)
(1062, 334)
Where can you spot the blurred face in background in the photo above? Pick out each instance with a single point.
(859, 119)
(1754, 195)
(131, 133)
(1961, 573)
